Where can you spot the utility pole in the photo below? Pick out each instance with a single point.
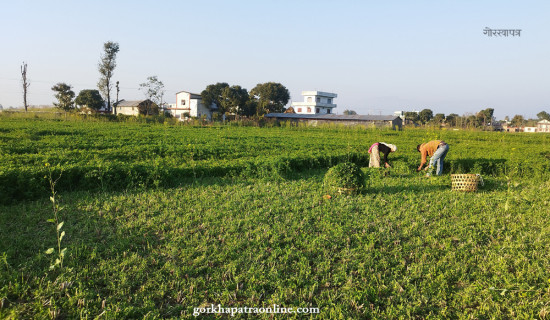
(117, 91)
(26, 84)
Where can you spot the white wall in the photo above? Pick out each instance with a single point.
(130, 111)
(186, 104)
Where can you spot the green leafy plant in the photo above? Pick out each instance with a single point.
(344, 177)
(55, 220)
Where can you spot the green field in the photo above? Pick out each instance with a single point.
(161, 219)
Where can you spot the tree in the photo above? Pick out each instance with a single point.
(90, 99)
(153, 89)
(412, 116)
(249, 108)
(213, 95)
(349, 112)
(486, 116)
(517, 120)
(25, 82)
(439, 118)
(64, 96)
(452, 119)
(270, 96)
(425, 116)
(543, 115)
(233, 99)
(107, 66)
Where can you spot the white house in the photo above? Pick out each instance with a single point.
(543, 126)
(191, 104)
(136, 107)
(315, 102)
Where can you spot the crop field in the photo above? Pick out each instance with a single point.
(158, 220)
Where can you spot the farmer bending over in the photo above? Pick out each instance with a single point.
(437, 150)
(378, 148)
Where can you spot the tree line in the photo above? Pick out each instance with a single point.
(263, 98)
(482, 119)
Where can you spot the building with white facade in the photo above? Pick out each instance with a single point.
(315, 102)
(188, 103)
(543, 126)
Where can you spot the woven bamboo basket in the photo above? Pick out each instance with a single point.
(466, 182)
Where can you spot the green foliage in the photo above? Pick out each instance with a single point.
(153, 90)
(543, 115)
(213, 95)
(270, 97)
(64, 96)
(451, 119)
(90, 99)
(106, 68)
(517, 121)
(234, 99)
(345, 176)
(439, 118)
(425, 116)
(58, 225)
(160, 219)
(412, 117)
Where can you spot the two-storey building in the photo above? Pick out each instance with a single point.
(315, 102)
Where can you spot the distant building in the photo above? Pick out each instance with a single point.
(137, 107)
(400, 114)
(315, 102)
(393, 122)
(543, 126)
(190, 104)
(529, 129)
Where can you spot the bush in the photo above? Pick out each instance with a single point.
(344, 177)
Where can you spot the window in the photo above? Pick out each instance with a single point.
(299, 109)
(308, 99)
(318, 99)
(328, 111)
(317, 110)
(329, 100)
(308, 109)
(182, 102)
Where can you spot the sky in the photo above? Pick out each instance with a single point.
(378, 56)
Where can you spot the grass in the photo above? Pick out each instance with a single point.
(405, 247)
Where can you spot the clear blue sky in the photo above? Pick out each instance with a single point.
(378, 56)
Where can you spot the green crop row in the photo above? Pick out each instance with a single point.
(118, 156)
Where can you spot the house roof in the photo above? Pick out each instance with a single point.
(353, 117)
(193, 95)
(131, 103)
(544, 121)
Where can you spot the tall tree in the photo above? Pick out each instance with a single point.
(25, 82)
(107, 65)
(517, 120)
(64, 96)
(270, 96)
(486, 116)
(234, 100)
(543, 115)
(425, 115)
(153, 89)
(412, 116)
(452, 119)
(90, 99)
(439, 118)
(213, 95)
